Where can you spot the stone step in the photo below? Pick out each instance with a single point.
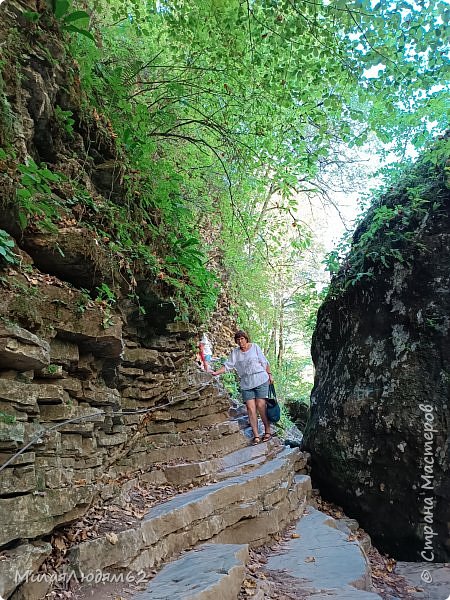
(211, 445)
(210, 572)
(278, 509)
(273, 447)
(200, 515)
(235, 463)
(323, 561)
(16, 563)
(426, 580)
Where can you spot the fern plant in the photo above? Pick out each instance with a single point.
(6, 245)
(35, 196)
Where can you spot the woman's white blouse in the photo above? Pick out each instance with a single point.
(250, 366)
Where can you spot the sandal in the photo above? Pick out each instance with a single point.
(256, 440)
(267, 437)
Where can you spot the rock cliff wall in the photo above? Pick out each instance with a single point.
(102, 380)
(91, 387)
(379, 426)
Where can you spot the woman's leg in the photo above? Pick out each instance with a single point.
(252, 416)
(261, 406)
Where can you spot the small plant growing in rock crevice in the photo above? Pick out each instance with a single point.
(6, 114)
(65, 120)
(6, 253)
(35, 197)
(6, 418)
(106, 298)
(83, 301)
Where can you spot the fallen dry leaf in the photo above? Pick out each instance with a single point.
(59, 543)
(112, 538)
(390, 565)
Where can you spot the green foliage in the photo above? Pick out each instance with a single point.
(231, 384)
(83, 301)
(6, 253)
(390, 230)
(31, 16)
(285, 422)
(105, 294)
(65, 120)
(291, 382)
(36, 200)
(6, 418)
(81, 17)
(6, 116)
(106, 298)
(157, 229)
(60, 7)
(215, 104)
(223, 115)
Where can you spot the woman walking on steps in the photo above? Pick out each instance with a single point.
(254, 373)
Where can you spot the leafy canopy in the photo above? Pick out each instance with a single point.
(219, 104)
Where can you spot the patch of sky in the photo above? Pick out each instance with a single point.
(374, 71)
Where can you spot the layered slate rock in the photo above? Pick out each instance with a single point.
(427, 581)
(379, 424)
(18, 564)
(247, 508)
(322, 561)
(74, 420)
(70, 253)
(212, 571)
(98, 398)
(238, 462)
(21, 350)
(32, 515)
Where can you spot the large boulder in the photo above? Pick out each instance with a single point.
(379, 425)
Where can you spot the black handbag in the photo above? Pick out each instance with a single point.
(272, 407)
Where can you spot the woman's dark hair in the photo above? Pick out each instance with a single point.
(240, 334)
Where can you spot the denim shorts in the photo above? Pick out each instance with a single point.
(262, 391)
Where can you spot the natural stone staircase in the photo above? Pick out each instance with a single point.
(239, 495)
(322, 561)
(251, 507)
(256, 492)
(240, 498)
(235, 463)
